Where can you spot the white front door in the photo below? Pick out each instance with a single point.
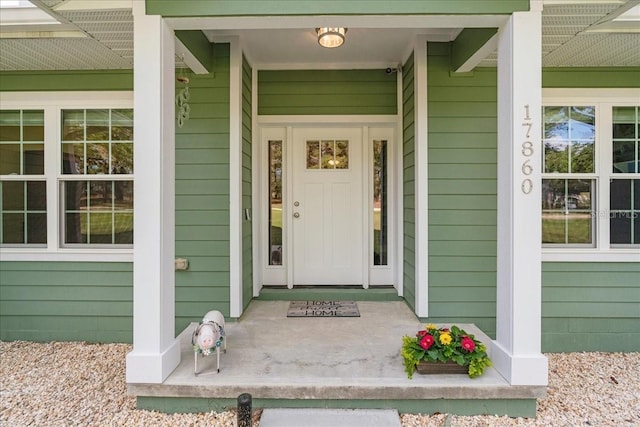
(327, 206)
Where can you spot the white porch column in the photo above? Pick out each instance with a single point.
(516, 352)
(155, 350)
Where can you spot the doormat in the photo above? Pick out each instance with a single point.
(323, 309)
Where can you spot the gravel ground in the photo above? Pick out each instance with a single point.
(79, 384)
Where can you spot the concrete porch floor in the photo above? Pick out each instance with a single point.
(315, 361)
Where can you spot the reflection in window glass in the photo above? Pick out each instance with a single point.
(569, 138)
(380, 216)
(97, 142)
(328, 154)
(23, 212)
(625, 211)
(626, 140)
(21, 142)
(275, 201)
(98, 212)
(567, 211)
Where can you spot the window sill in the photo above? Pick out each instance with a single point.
(590, 255)
(66, 255)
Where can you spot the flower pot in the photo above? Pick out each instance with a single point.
(441, 368)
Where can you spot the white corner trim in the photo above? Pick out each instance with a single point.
(256, 210)
(421, 177)
(235, 178)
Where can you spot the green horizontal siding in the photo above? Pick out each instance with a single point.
(462, 192)
(326, 92)
(45, 301)
(13, 81)
(590, 306)
(331, 7)
(202, 195)
(591, 77)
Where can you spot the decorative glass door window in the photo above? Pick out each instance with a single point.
(380, 204)
(275, 202)
(328, 154)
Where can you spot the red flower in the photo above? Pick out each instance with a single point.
(468, 344)
(426, 341)
(422, 333)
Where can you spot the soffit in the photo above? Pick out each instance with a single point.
(103, 39)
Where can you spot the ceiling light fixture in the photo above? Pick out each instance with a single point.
(331, 37)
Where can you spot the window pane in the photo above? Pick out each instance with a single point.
(620, 228)
(327, 155)
(122, 125)
(122, 158)
(313, 154)
(582, 157)
(625, 211)
(556, 156)
(36, 196)
(579, 227)
(97, 125)
(582, 123)
(36, 228)
(123, 228)
(100, 197)
(342, 155)
(380, 229)
(33, 159)
(10, 125)
(123, 195)
(624, 157)
(620, 194)
(100, 228)
(97, 158)
(73, 158)
(556, 123)
(13, 196)
(624, 122)
(33, 126)
(12, 228)
(9, 159)
(73, 125)
(275, 200)
(76, 227)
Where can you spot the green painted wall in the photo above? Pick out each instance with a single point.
(247, 236)
(13, 81)
(590, 306)
(462, 192)
(43, 301)
(202, 196)
(66, 301)
(408, 177)
(326, 92)
(592, 77)
(330, 7)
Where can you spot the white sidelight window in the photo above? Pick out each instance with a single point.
(66, 176)
(591, 175)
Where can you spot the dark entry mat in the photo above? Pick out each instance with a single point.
(323, 309)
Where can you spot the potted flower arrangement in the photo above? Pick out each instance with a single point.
(444, 347)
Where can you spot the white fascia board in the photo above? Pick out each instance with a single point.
(70, 5)
(69, 99)
(354, 120)
(44, 33)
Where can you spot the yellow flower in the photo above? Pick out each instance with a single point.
(430, 327)
(445, 338)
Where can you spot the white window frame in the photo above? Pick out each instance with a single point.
(603, 100)
(53, 103)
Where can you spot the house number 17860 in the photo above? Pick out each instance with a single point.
(527, 151)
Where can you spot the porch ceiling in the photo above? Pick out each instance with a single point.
(99, 35)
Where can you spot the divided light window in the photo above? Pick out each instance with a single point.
(97, 144)
(23, 197)
(68, 167)
(591, 175)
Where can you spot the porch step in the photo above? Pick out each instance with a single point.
(273, 417)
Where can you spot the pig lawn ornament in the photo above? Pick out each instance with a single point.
(208, 337)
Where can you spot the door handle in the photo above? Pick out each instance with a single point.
(296, 214)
